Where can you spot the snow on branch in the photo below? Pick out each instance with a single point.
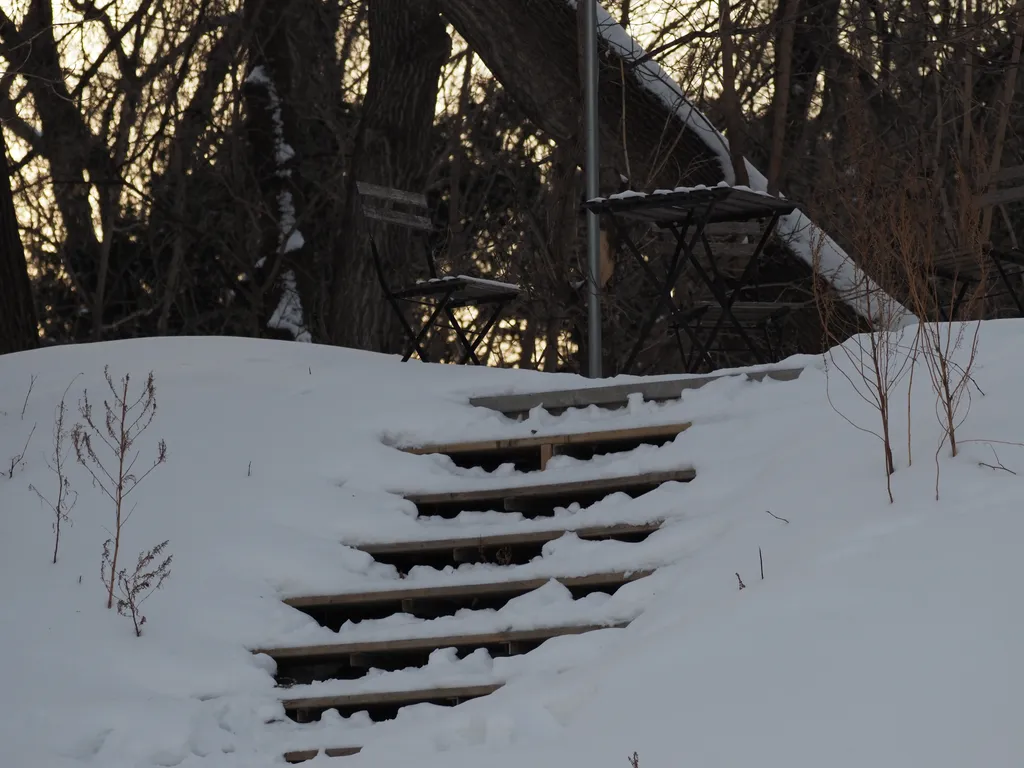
(288, 316)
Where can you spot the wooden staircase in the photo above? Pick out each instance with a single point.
(316, 678)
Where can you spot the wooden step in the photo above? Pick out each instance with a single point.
(302, 755)
(534, 451)
(347, 661)
(544, 498)
(334, 610)
(382, 705)
(501, 548)
(616, 395)
(479, 640)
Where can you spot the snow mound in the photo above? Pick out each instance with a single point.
(881, 634)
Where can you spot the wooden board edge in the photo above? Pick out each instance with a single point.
(446, 641)
(653, 391)
(302, 755)
(505, 539)
(478, 589)
(369, 698)
(540, 441)
(611, 484)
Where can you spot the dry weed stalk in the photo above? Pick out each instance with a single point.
(124, 421)
(879, 354)
(66, 497)
(135, 587)
(18, 459)
(942, 335)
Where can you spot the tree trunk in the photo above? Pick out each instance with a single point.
(780, 100)
(393, 148)
(276, 28)
(730, 98)
(18, 328)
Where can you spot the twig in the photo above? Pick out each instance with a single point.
(761, 558)
(983, 464)
(19, 459)
(997, 465)
(742, 585)
(28, 394)
(776, 516)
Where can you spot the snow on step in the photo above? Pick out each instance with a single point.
(617, 395)
(428, 642)
(544, 498)
(308, 707)
(400, 598)
(534, 451)
(517, 544)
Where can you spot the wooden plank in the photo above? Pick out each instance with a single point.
(746, 310)
(629, 434)
(302, 755)
(464, 591)
(999, 196)
(401, 698)
(618, 394)
(733, 229)
(546, 452)
(414, 644)
(1013, 173)
(508, 539)
(609, 484)
(727, 252)
(389, 193)
(398, 217)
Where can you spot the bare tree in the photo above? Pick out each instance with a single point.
(18, 325)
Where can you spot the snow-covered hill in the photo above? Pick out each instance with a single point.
(882, 635)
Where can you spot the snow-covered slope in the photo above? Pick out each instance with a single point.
(881, 635)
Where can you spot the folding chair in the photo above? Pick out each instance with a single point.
(441, 294)
(963, 270)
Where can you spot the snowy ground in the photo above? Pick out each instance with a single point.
(881, 635)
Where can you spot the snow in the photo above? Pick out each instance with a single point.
(881, 634)
(469, 279)
(629, 193)
(803, 237)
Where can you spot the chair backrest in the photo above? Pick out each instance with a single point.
(385, 204)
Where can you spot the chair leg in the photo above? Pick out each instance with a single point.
(482, 335)
(1009, 287)
(418, 340)
(461, 334)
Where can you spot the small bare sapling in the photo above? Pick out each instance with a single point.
(133, 588)
(58, 461)
(124, 420)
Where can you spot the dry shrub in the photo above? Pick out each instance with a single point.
(65, 498)
(953, 251)
(881, 351)
(124, 421)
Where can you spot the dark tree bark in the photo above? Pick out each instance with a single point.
(67, 143)
(814, 36)
(171, 192)
(18, 328)
(408, 47)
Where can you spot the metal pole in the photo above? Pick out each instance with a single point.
(593, 189)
